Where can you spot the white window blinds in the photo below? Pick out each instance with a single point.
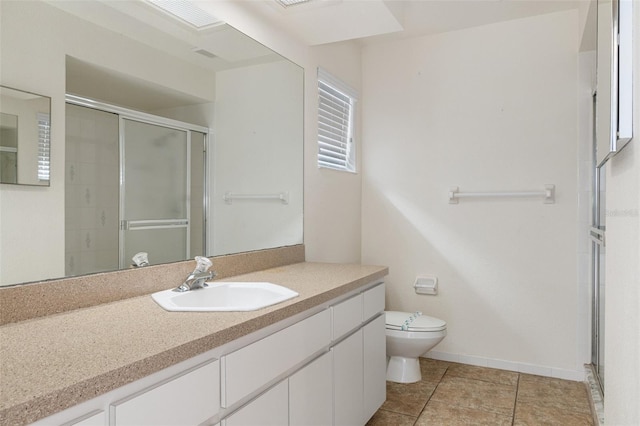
(44, 146)
(336, 104)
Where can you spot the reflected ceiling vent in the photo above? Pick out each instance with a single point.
(186, 12)
(204, 52)
(289, 3)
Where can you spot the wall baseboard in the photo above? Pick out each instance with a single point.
(538, 370)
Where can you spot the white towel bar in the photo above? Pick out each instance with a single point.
(548, 194)
(230, 196)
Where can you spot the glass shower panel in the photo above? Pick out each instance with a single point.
(163, 244)
(92, 171)
(600, 253)
(154, 192)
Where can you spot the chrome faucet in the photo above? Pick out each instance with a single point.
(195, 280)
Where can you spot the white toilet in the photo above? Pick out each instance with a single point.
(410, 335)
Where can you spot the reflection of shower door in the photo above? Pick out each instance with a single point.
(154, 192)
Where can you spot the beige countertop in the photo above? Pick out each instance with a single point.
(51, 363)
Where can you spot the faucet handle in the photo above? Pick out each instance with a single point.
(202, 264)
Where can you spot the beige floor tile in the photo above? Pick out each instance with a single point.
(443, 414)
(408, 398)
(535, 414)
(432, 370)
(389, 418)
(476, 394)
(483, 373)
(564, 395)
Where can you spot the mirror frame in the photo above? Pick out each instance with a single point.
(614, 94)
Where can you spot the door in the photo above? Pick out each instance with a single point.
(154, 192)
(597, 234)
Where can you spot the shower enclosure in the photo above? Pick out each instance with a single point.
(597, 234)
(134, 183)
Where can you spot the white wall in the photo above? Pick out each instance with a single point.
(332, 198)
(487, 108)
(622, 317)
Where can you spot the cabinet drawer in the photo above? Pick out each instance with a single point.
(269, 409)
(189, 399)
(346, 316)
(97, 418)
(249, 368)
(373, 301)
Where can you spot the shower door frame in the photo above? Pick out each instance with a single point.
(597, 235)
(129, 114)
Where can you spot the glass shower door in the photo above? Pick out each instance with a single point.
(598, 248)
(154, 192)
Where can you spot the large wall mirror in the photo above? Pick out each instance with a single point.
(614, 93)
(25, 124)
(124, 67)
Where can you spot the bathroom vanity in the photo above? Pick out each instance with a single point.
(316, 359)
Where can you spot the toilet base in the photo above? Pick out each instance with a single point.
(403, 370)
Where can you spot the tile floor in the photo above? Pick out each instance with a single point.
(459, 394)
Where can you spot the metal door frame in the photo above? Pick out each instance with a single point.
(129, 114)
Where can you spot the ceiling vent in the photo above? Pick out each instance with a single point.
(289, 3)
(204, 52)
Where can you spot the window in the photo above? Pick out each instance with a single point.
(336, 104)
(44, 146)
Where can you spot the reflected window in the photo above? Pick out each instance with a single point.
(44, 146)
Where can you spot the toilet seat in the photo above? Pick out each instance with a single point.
(413, 322)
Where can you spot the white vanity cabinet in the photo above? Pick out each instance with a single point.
(189, 399)
(97, 418)
(269, 409)
(374, 365)
(360, 358)
(348, 382)
(311, 394)
(256, 365)
(321, 367)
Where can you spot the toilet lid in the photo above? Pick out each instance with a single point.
(413, 321)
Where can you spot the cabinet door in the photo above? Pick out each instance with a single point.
(348, 381)
(249, 368)
(269, 409)
(375, 360)
(189, 399)
(97, 418)
(311, 394)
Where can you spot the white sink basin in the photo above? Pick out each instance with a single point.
(224, 296)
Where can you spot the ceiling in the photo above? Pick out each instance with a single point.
(315, 22)
(226, 47)
(371, 21)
